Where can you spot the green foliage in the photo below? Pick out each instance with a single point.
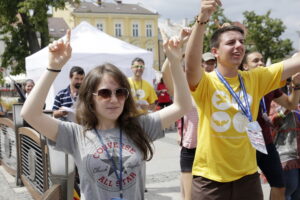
(263, 35)
(24, 29)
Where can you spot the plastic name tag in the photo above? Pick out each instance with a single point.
(256, 137)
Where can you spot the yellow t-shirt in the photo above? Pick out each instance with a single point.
(224, 152)
(142, 91)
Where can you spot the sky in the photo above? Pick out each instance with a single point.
(286, 10)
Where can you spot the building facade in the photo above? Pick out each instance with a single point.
(129, 22)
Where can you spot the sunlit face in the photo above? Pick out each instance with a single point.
(108, 109)
(253, 60)
(138, 69)
(231, 50)
(28, 87)
(209, 65)
(76, 80)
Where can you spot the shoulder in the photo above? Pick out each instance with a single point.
(64, 92)
(129, 79)
(146, 83)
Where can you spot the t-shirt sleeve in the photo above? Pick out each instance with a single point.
(202, 86)
(67, 136)
(152, 96)
(151, 124)
(269, 77)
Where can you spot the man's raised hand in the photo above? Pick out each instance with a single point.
(208, 7)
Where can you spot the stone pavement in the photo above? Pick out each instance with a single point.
(162, 182)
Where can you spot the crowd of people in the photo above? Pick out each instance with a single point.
(230, 133)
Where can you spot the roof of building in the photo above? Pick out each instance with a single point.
(115, 8)
(57, 27)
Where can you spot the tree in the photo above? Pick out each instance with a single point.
(263, 35)
(24, 29)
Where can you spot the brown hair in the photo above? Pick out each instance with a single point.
(127, 121)
(215, 38)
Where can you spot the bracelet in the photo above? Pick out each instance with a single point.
(54, 70)
(201, 23)
(296, 88)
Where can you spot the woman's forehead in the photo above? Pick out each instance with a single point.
(108, 81)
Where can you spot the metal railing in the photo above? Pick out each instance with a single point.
(8, 152)
(25, 155)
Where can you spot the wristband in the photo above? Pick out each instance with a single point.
(201, 23)
(54, 70)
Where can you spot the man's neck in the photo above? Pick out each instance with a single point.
(135, 78)
(73, 90)
(228, 72)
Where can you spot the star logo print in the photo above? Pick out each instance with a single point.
(116, 160)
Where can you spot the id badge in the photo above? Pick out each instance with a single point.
(255, 135)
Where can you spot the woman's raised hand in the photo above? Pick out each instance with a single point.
(60, 52)
(172, 47)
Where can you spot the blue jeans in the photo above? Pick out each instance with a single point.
(292, 184)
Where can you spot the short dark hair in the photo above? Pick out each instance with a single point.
(137, 59)
(215, 38)
(76, 69)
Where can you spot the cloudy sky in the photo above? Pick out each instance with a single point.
(286, 10)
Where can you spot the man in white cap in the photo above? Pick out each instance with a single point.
(209, 61)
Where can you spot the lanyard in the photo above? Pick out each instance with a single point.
(246, 110)
(113, 162)
(263, 105)
(135, 89)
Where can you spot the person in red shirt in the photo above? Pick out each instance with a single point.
(164, 98)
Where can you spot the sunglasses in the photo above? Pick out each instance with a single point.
(138, 66)
(120, 93)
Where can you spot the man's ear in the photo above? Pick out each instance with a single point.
(214, 51)
(245, 67)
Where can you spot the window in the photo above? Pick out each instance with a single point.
(135, 30)
(100, 27)
(118, 30)
(149, 30)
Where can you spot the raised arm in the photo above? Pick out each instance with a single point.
(182, 98)
(166, 71)
(291, 66)
(194, 47)
(291, 102)
(32, 111)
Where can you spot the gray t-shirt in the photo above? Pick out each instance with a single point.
(97, 176)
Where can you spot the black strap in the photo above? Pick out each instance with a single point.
(181, 131)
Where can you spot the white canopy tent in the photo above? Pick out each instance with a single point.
(90, 48)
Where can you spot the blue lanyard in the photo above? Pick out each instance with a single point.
(246, 110)
(113, 162)
(263, 105)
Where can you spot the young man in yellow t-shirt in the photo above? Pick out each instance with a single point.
(227, 102)
(143, 92)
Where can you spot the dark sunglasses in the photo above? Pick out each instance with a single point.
(120, 93)
(138, 66)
